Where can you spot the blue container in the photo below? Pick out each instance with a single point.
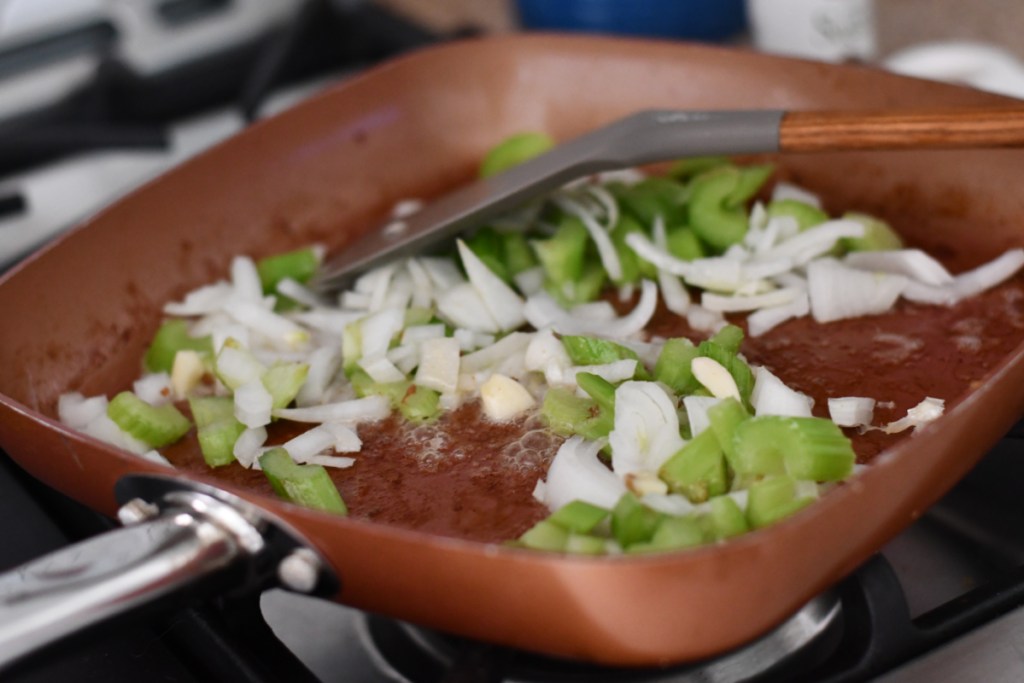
(707, 20)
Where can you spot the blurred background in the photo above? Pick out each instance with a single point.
(96, 96)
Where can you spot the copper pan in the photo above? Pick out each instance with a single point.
(78, 315)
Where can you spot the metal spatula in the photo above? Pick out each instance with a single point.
(653, 136)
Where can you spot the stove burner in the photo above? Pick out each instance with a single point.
(419, 655)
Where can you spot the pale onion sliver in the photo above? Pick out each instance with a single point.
(838, 292)
(771, 396)
(735, 304)
(765, 319)
(646, 431)
(76, 411)
(248, 446)
(439, 365)
(245, 279)
(912, 263)
(502, 302)
(462, 306)
(605, 249)
(697, 412)
(253, 404)
(576, 473)
(851, 411)
(364, 409)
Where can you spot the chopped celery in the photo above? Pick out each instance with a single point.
(693, 166)
(585, 544)
(595, 351)
(216, 428)
(697, 470)
(599, 389)
(579, 516)
(725, 417)
(307, 485)
(587, 288)
(717, 221)
(740, 371)
(155, 426)
(283, 380)
(683, 243)
(878, 235)
(236, 365)
(653, 197)
(633, 522)
(513, 151)
(772, 499)
(673, 365)
(488, 246)
(563, 254)
(804, 447)
(568, 414)
(749, 182)
(351, 345)
(299, 265)
(729, 338)
(517, 253)
(172, 337)
(806, 216)
(677, 532)
(724, 519)
(420, 404)
(364, 385)
(545, 535)
(417, 315)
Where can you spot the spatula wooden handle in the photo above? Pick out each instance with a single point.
(822, 131)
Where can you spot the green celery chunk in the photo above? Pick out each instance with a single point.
(599, 389)
(420, 404)
(307, 485)
(717, 221)
(775, 498)
(579, 517)
(878, 235)
(489, 247)
(697, 470)
(683, 243)
(724, 519)
(749, 182)
(351, 346)
(653, 197)
(587, 288)
(299, 265)
(595, 351)
(567, 414)
(216, 428)
(633, 522)
(585, 544)
(725, 417)
(517, 253)
(513, 151)
(545, 535)
(740, 371)
(562, 255)
(675, 533)
(235, 365)
(729, 338)
(809, 448)
(155, 426)
(673, 365)
(172, 337)
(283, 380)
(364, 386)
(694, 166)
(806, 216)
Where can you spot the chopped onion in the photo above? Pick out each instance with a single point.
(323, 363)
(311, 442)
(913, 263)
(274, 327)
(415, 334)
(154, 388)
(154, 455)
(697, 412)
(851, 411)
(462, 306)
(530, 281)
(341, 462)
(381, 370)
(442, 271)
(491, 356)
(299, 292)
(76, 411)
(786, 190)
(613, 372)
(839, 292)
(357, 410)
(765, 319)
(646, 432)
(924, 412)
(439, 365)
(422, 286)
(734, 304)
(245, 279)
(253, 404)
(669, 504)
(377, 331)
(248, 446)
(202, 301)
(771, 396)
(104, 429)
(605, 249)
(576, 473)
(542, 311)
(502, 302)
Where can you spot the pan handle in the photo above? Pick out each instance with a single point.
(186, 537)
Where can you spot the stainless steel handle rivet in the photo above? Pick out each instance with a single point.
(136, 511)
(299, 571)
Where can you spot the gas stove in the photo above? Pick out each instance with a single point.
(108, 93)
